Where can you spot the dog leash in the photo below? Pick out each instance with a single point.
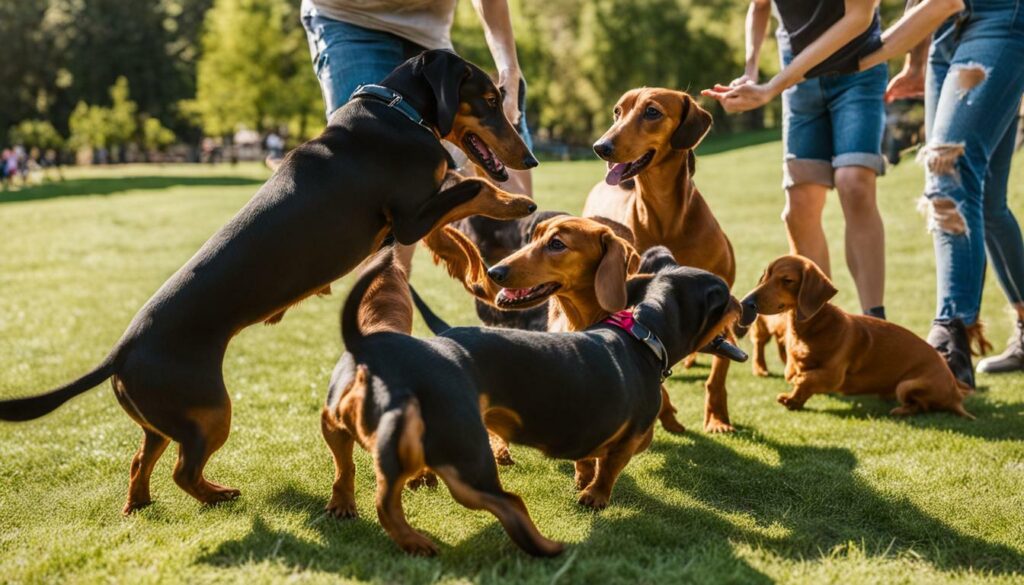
(393, 100)
(628, 322)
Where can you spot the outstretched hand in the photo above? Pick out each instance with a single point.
(906, 84)
(741, 97)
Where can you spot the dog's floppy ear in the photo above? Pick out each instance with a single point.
(815, 290)
(444, 71)
(410, 227)
(693, 127)
(619, 261)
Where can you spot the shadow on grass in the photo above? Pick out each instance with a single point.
(360, 549)
(995, 420)
(816, 498)
(810, 506)
(111, 185)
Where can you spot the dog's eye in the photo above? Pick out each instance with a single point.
(492, 101)
(616, 112)
(787, 280)
(651, 113)
(556, 245)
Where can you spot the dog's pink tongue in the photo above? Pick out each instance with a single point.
(615, 170)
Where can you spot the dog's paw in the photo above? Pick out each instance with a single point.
(423, 479)
(418, 545)
(760, 372)
(673, 426)
(593, 499)
(130, 507)
(789, 402)
(503, 457)
(342, 510)
(717, 426)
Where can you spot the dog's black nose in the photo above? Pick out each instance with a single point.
(498, 273)
(532, 207)
(604, 148)
(530, 161)
(749, 311)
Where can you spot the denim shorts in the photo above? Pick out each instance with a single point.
(832, 121)
(346, 56)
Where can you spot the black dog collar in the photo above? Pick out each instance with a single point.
(394, 100)
(628, 322)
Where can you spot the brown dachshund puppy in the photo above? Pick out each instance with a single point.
(652, 140)
(829, 350)
(580, 264)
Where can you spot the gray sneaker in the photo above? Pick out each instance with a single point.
(1011, 360)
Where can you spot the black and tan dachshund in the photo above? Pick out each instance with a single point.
(591, 396)
(332, 202)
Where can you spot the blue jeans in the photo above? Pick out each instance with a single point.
(830, 122)
(973, 92)
(346, 56)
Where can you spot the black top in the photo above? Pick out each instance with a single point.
(803, 21)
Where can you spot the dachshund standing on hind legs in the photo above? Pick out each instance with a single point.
(377, 168)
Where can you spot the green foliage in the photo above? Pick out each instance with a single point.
(36, 134)
(154, 135)
(105, 127)
(255, 70)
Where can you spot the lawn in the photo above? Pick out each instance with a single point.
(840, 492)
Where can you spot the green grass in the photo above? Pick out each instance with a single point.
(838, 493)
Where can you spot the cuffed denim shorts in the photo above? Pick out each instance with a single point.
(830, 122)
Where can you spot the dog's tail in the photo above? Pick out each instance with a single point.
(435, 323)
(31, 407)
(351, 335)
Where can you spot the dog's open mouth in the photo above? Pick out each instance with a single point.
(485, 157)
(509, 298)
(619, 172)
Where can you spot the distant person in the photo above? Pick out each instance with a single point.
(832, 83)
(275, 150)
(972, 79)
(357, 42)
(4, 177)
(10, 166)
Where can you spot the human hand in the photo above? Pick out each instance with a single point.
(509, 80)
(740, 98)
(744, 79)
(907, 84)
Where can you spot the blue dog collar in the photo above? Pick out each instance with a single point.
(393, 100)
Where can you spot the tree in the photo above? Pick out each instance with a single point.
(254, 71)
(36, 134)
(154, 136)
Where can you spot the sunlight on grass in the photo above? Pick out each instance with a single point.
(838, 493)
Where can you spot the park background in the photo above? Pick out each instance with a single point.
(113, 80)
(839, 493)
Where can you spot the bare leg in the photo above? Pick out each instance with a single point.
(865, 234)
(804, 205)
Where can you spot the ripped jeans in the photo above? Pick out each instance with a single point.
(972, 99)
